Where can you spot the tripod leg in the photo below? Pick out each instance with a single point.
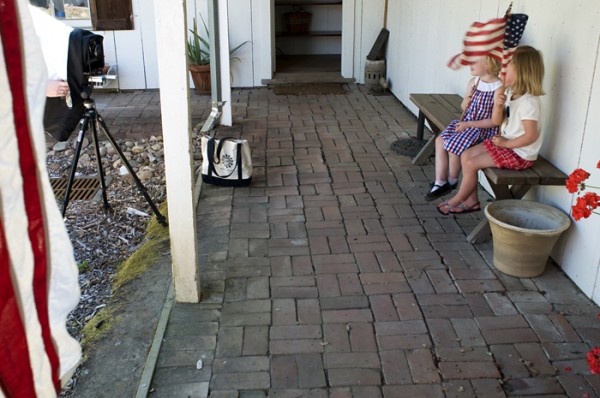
(161, 219)
(99, 161)
(84, 125)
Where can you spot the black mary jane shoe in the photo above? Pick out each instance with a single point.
(440, 191)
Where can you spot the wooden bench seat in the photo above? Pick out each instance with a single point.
(439, 110)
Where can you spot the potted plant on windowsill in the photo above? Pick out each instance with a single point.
(198, 51)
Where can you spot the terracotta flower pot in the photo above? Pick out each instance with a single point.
(201, 77)
(524, 233)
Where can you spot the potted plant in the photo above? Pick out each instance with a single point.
(198, 51)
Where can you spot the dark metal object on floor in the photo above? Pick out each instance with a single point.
(407, 146)
(92, 118)
(84, 188)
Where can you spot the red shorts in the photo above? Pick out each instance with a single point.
(506, 158)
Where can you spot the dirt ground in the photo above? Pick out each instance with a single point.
(115, 363)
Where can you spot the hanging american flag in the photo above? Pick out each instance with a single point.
(515, 26)
(498, 38)
(38, 274)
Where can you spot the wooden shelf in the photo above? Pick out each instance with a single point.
(307, 3)
(313, 33)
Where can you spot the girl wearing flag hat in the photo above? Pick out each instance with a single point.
(475, 125)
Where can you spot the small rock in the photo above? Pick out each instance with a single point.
(145, 175)
(123, 171)
(137, 149)
(60, 146)
(84, 160)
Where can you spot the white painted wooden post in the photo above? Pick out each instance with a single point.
(263, 49)
(348, 32)
(226, 117)
(171, 42)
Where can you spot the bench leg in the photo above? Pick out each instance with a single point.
(425, 152)
(481, 232)
(420, 125)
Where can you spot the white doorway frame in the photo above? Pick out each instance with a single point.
(265, 32)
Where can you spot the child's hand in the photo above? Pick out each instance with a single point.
(500, 99)
(461, 126)
(499, 141)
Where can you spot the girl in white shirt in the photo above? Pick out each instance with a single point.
(520, 140)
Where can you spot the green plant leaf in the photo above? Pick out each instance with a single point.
(198, 47)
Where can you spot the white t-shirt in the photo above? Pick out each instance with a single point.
(526, 107)
(54, 37)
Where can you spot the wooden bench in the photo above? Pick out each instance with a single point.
(439, 110)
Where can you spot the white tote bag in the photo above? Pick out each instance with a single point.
(226, 162)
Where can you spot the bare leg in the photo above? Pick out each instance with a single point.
(473, 160)
(454, 170)
(441, 160)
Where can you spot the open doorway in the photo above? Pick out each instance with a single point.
(308, 40)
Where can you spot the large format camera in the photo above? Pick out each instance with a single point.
(85, 60)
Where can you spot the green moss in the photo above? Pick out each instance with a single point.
(96, 327)
(157, 242)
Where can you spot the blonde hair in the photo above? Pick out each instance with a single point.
(492, 65)
(529, 67)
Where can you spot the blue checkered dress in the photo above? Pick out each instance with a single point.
(479, 109)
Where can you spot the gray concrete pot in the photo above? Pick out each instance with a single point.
(524, 233)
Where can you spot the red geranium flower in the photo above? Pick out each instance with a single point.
(585, 203)
(592, 199)
(576, 179)
(593, 359)
(580, 209)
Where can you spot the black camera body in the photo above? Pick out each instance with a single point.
(85, 59)
(93, 52)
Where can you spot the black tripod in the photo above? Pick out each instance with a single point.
(93, 119)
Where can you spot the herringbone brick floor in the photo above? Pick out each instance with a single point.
(330, 276)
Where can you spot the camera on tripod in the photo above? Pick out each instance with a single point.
(85, 64)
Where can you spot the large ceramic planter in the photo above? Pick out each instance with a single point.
(524, 233)
(201, 77)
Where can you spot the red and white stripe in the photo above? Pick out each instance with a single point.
(482, 38)
(507, 56)
(38, 274)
